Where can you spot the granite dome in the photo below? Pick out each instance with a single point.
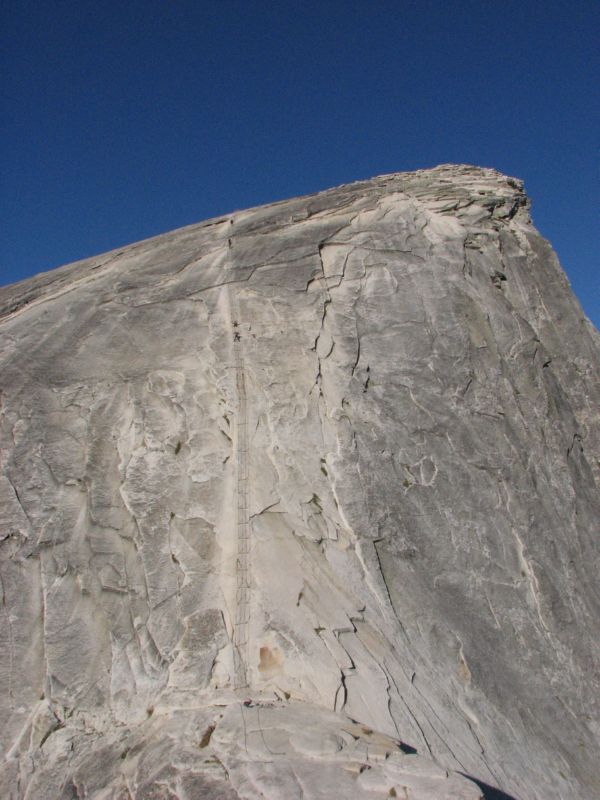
(303, 502)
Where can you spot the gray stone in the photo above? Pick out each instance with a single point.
(335, 458)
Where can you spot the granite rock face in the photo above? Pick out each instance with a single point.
(303, 502)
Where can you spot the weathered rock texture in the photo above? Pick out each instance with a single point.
(336, 456)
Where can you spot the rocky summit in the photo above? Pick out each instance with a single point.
(303, 502)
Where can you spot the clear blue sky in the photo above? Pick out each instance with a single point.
(122, 120)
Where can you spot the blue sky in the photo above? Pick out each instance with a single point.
(122, 120)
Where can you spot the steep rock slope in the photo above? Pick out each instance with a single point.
(292, 493)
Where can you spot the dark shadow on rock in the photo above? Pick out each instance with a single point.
(406, 748)
(489, 792)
